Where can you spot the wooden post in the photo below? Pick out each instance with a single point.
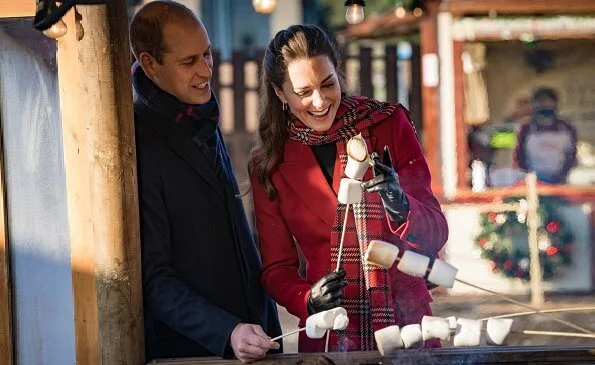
(365, 72)
(6, 347)
(415, 92)
(100, 167)
(428, 27)
(461, 126)
(532, 223)
(392, 82)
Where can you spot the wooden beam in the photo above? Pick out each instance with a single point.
(6, 338)
(462, 150)
(479, 7)
(428, 28)
(17, 9)
(100, 167)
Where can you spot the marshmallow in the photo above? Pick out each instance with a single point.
(452, 324)
(435, 327)
(356, 169)
(388, 340)
(468, 332)
(324, 319)
(350, 191)
(313, 331)
(413, 264)
(341, 322)
(411, 336)
(381, 253)
(497, 330)
(357, 148)
(442, 274)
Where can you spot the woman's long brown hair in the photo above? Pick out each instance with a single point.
(294, 43)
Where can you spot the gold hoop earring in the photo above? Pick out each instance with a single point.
(284, 107)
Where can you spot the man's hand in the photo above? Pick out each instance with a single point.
(386, 183)
(326, 293)
(250, 343)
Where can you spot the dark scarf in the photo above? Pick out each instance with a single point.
(201, 120)
(369, 303)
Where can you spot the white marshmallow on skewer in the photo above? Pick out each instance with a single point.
(313, 331)
(497, 330)
(350, 191)
(452, 324)
(414, 264)
(341, 322)
(442, 274)
(411, 336)
(388, 340)
(356, 169)
(358, 161)
(381, 253)
(435, 327)
(468, 332)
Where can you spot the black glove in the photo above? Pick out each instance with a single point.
(326, 293)
(386, 183)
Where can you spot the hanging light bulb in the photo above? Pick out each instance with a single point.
(264, 6)
(355, 11)
(400, 12)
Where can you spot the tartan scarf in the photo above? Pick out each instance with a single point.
(367, 298)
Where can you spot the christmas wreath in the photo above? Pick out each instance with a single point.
(504, 241)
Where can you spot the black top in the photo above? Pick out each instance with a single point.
(326, 154)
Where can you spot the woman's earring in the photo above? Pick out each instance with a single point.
(284, 107)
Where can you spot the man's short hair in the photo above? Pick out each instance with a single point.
(146, 27)
(544, 93)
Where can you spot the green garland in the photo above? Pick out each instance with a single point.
(503, 241)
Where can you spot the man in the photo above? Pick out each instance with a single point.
(547, 145)
(200, 265)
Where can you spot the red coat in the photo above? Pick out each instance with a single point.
(305, 210)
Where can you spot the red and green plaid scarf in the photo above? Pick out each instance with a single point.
(367, 297)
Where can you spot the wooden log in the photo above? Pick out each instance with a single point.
(6, 345)
(100, 166)
(536, 278)
(475, 7)
(428, 28)
(17, 9)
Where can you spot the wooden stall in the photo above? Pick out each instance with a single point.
(97, 129)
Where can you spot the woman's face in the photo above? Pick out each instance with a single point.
(311, 90)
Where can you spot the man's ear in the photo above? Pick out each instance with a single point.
(148, 63)
(280, 94)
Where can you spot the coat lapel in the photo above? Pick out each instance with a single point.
(303, 174)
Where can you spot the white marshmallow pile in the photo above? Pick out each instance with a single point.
(463, 331)
(332, 319)
(385, 254)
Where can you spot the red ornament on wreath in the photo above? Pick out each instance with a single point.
(552, 227)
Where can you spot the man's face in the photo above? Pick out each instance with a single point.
(545, 110)
(186, 68)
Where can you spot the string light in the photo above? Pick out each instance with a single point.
(355, 11)
(264, 6)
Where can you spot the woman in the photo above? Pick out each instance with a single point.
(296, 170)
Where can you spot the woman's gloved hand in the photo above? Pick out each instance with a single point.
(386, 183)
(326, 293)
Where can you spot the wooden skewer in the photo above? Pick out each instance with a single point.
(342, 238)
(519, 314)
(288, 334)
(537, 311)
(550, 333)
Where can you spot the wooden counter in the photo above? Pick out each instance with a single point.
(476, 355)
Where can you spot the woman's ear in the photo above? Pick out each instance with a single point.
(280, 94)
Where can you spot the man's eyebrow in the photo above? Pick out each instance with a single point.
(323, 81)
(194, 55)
